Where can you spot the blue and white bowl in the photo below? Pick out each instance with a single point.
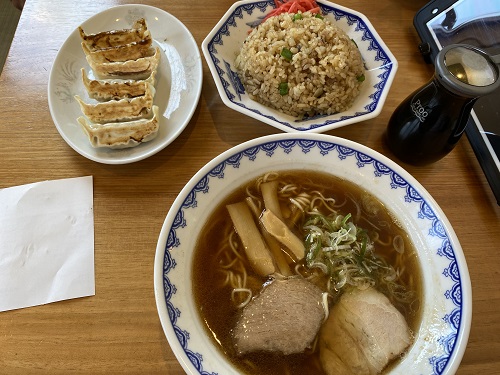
(447, 302)
(224, 42)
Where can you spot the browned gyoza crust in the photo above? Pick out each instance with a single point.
(123, 52)
(119, 110)
(114, 38)
(124, 65)
(121, 134)
(103, 90)
(136, 69)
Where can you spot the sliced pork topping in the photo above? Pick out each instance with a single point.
(285, 317)
(363, 333)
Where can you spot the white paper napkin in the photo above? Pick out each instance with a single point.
(46, 242)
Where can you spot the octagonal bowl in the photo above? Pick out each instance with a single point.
(224, 42)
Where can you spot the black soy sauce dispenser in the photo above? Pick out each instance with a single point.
(427, 125)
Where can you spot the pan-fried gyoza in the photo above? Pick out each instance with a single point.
(103, 90)
(119, 110)
(133, 69)
(124, 66)
(121, 134)
(113, 38)
(129, 51)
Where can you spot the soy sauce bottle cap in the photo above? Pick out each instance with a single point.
(467, 71)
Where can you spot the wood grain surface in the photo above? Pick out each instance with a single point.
(117, 331)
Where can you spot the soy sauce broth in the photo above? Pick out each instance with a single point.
(216, 310)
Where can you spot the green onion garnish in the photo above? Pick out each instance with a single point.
(346, 218)
(297, 16)
(361, 78)
(283, 88)
(286, 54)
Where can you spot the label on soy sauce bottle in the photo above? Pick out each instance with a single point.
(419, 110)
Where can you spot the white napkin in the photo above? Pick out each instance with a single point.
(46, 242)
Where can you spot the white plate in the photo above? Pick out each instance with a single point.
(447, 301)
(178, 86)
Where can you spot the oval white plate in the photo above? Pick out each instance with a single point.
(178, 86)
(447, 300)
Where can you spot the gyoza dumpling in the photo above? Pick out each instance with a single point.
(119, 110)
(124, 52)
(103, 90)
(115, 38)
(131, 69)
(121, 134)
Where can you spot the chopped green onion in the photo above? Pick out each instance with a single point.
(319, 16)
(345, 253)
(363, 246)
(286, 54)
(346, 218)
(283, 88)
(297, 16)
(361, 78)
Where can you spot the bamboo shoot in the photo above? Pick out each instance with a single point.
(272, 243)
(255, 248)
(283, 234)
(269, 192)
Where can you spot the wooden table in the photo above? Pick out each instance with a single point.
(118, 330)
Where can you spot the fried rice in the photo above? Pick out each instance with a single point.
(301, 65)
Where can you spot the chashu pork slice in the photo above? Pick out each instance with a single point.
(363, 333)
(284, 318)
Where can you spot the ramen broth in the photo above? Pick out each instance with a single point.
(219, 313)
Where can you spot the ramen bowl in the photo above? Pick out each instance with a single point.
(224, 42)
(444, 327)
